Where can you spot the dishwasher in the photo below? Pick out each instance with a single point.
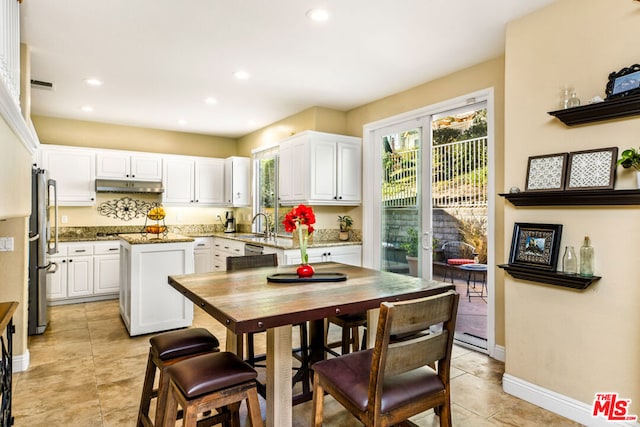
(251, 249)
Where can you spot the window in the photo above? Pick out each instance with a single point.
(265, 187)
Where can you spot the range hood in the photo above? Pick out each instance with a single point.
(118, 186)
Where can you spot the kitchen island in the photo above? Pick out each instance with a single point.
(147, 303)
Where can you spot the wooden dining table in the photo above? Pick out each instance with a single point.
(245, 301)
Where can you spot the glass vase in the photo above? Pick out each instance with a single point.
(569, 261)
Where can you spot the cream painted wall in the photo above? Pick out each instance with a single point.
(15, 167)
(576, 343)
(314, 118)
(102, 135)
(484, 75)
(15, 208)
(81, 216)
(13, 266)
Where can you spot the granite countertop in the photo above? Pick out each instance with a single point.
(139, 239)
(279, 242)
(319, 239)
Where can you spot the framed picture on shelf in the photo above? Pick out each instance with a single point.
(535, 245)
(592, 169)
(624, 82)
(546, 172)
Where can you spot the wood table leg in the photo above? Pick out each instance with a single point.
(279, 366)
(372, 326)
(234, 344)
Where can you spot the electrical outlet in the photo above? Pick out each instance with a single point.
(64, 219)
(6, 244)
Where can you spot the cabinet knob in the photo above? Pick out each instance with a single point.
(70, 260)
(340, 197)
(127, 175)
(197, 200)
(133, 176)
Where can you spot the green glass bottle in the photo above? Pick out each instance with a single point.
(586, 258)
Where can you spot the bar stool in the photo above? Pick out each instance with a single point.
(211, 381)
(167, 349)
(350, 324)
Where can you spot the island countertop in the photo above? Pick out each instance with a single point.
(140, 239)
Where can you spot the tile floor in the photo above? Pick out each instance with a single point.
(87, 372)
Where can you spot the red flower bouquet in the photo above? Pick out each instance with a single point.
(301, 218)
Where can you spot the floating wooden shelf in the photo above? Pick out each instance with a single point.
(607, 110)
(564, 280)
(574, 198)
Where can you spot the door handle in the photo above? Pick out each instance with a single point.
(426, 241)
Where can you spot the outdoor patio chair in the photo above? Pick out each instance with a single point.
(457, 253)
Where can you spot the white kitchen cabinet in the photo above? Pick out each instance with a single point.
(148, 303)
(209, 181)
(223, 248)
(73, 277)
(190, 180)
(320, 168)
(57, 281)
(106, 268)
(236, 181)
(86, 271)
(74, 172)
(293, 177)
(348, 254)
(203, 255)
(113, 164)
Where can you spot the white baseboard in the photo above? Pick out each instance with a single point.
(557, 403)
(498, 353)
(21, 361)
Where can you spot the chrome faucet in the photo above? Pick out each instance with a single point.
(267, 225)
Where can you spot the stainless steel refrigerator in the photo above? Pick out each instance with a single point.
(43, 196)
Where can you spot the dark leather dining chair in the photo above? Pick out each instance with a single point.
(251, 261)
(393, 381)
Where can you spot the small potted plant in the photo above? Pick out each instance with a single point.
(345, 222)
(411, 246)
(630, 158)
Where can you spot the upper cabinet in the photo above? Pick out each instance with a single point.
(236, 181)
(320, 168)
(125, 165)
(193, 180)
(74, 172)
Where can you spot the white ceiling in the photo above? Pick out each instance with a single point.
(159, 59)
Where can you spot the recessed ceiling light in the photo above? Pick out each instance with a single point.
(87, 108)
(93, 82)
(241, 75)
(318, 14)
(210, 101)
(182, 122)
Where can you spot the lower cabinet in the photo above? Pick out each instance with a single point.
(106, 268)
(351, 255)
(203, 255)
(223, 248)
(87, 271)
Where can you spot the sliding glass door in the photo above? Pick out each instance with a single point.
(404, 224)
